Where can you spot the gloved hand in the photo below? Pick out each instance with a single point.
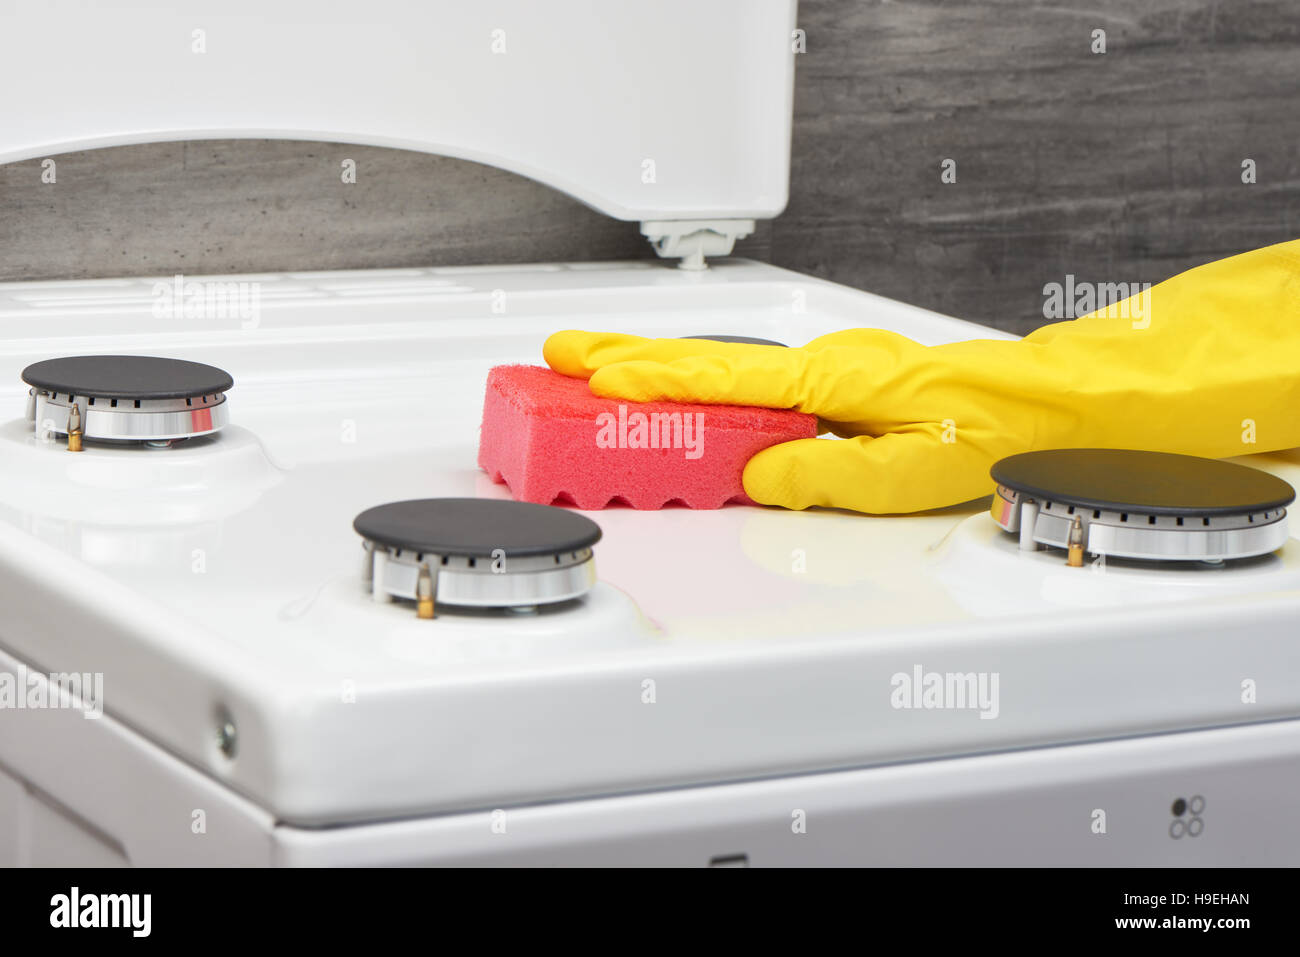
(1209, 365)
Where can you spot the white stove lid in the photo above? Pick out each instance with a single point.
(224, 579)
(671, 110)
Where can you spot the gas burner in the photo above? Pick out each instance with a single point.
(745, 339)
(480, 553)
(1141, 505)
(126, 398)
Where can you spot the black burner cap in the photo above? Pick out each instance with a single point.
(475, 527)
(1154, 483)
(746, 339)
(127, 377)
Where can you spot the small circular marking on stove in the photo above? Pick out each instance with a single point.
(227, 735)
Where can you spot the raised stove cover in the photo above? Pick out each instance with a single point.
(481, 553)
(126, 398)
(1140, 505)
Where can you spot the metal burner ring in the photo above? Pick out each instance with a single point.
(481, 582)
(129, 420)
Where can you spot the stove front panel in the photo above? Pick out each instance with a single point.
(1221, 797)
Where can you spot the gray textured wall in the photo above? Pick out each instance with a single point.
(1123, 166)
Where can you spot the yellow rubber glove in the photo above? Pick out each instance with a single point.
(1206, 363)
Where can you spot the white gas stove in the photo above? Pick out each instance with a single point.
(738, 658)
(746, 685)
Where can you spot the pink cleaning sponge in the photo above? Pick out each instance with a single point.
(549, 439)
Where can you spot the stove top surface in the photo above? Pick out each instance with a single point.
(222, 577)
